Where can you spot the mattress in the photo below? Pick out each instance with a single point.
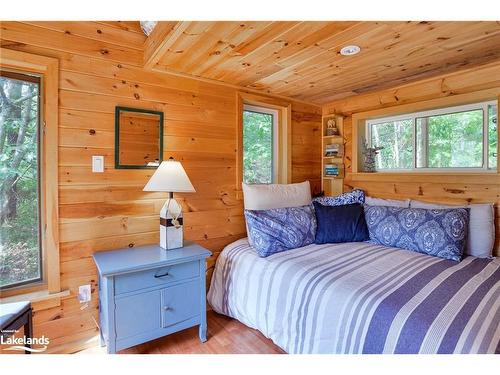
(361, 298)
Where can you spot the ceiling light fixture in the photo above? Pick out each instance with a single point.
(148, 26)
(350, 50)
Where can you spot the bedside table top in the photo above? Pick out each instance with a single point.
(140, 258)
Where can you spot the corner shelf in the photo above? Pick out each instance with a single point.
(333, 137)
(332, 185)
(334, 159)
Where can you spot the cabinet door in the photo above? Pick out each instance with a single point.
(138, 314)
(180, 303)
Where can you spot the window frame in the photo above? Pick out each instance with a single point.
(33, 78)
(48, 70)
(413, 116)
(284, 125)
(274, 136)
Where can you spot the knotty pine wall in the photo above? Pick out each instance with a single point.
(100, 68)
(451, 189)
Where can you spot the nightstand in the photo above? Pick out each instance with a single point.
(148, 292)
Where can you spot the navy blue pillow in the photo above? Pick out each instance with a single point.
(337, 224)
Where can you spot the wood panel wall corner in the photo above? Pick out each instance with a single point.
(105, 211)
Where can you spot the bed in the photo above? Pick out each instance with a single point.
(361, 298)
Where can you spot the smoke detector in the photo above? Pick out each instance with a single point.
(350, 50)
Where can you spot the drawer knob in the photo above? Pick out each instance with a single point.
(166, 308)
(162, 275)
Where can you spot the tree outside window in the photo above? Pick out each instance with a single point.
(20, 248)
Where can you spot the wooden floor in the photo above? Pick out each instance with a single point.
(225, 336)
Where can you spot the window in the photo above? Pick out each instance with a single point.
(396, 138)
(29, 240)
(260, 143)
(463, 137)
(20, 234)
(263, 153)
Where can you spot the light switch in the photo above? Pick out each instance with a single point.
(97, 164)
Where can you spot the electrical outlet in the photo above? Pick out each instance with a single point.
(84, 293)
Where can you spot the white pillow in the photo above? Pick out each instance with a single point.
(387, 202)
(481, 236)
(265, 197)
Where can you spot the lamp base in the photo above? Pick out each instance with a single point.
(171, 228)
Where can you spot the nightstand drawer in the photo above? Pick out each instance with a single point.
(180, 303)
(156, 277)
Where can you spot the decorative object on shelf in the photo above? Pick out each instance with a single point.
(333, 150)
(369, 154)
(331, 170)
(172, 178)
(331, 127)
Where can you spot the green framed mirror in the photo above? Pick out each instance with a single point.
(138, 138)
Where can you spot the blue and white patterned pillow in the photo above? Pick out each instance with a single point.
(441, 233)
(279, 229)
(351, 197)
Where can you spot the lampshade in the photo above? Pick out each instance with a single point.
(170, 177)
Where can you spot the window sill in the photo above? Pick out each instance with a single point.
(39, 296)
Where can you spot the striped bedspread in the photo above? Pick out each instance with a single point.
(361, 298)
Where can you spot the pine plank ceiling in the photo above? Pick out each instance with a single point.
(302, 60)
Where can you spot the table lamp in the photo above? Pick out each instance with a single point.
(172, 178)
